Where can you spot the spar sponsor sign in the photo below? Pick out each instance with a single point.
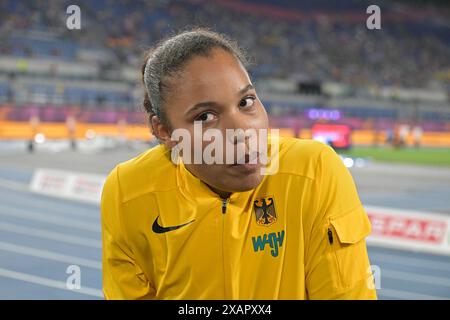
(67, 184)
(408, 229)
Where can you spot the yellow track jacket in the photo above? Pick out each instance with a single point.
(299, 235)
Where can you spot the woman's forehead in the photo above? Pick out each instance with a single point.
(218, 73)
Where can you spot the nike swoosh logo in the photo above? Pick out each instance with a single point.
(160, 229)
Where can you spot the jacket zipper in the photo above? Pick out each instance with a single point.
(224, 205)
(330, 236)
(224, 210)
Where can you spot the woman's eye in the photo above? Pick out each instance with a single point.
(247, 102)
(207, 116)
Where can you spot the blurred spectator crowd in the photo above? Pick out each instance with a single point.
(309, 40)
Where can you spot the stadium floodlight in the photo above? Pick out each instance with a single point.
(39, 138)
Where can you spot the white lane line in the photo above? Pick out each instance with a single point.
(406, 295)
(411, 262)
(61, 221)
(48, 282)
(49, 255)
(47, 234)
(14, 185)
(51, 204)
(415, 277)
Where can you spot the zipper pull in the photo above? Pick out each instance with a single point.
(224, 205)
(330, 236)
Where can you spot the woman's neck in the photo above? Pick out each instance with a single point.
(222, 194)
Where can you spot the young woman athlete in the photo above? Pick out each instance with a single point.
(184, 230)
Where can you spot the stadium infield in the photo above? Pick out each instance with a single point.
(409, 155)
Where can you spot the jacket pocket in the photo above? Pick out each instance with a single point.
(346, 236)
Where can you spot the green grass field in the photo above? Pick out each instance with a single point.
(421, 156)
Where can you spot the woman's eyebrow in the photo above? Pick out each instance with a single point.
(246, 88)
(202, 105)
(213, 104)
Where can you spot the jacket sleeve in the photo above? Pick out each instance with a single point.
(337, 263)
(122, 277)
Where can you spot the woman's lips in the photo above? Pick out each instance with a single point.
(248, 164)
(251, 159)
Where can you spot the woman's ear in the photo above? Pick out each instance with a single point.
(161, 131)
